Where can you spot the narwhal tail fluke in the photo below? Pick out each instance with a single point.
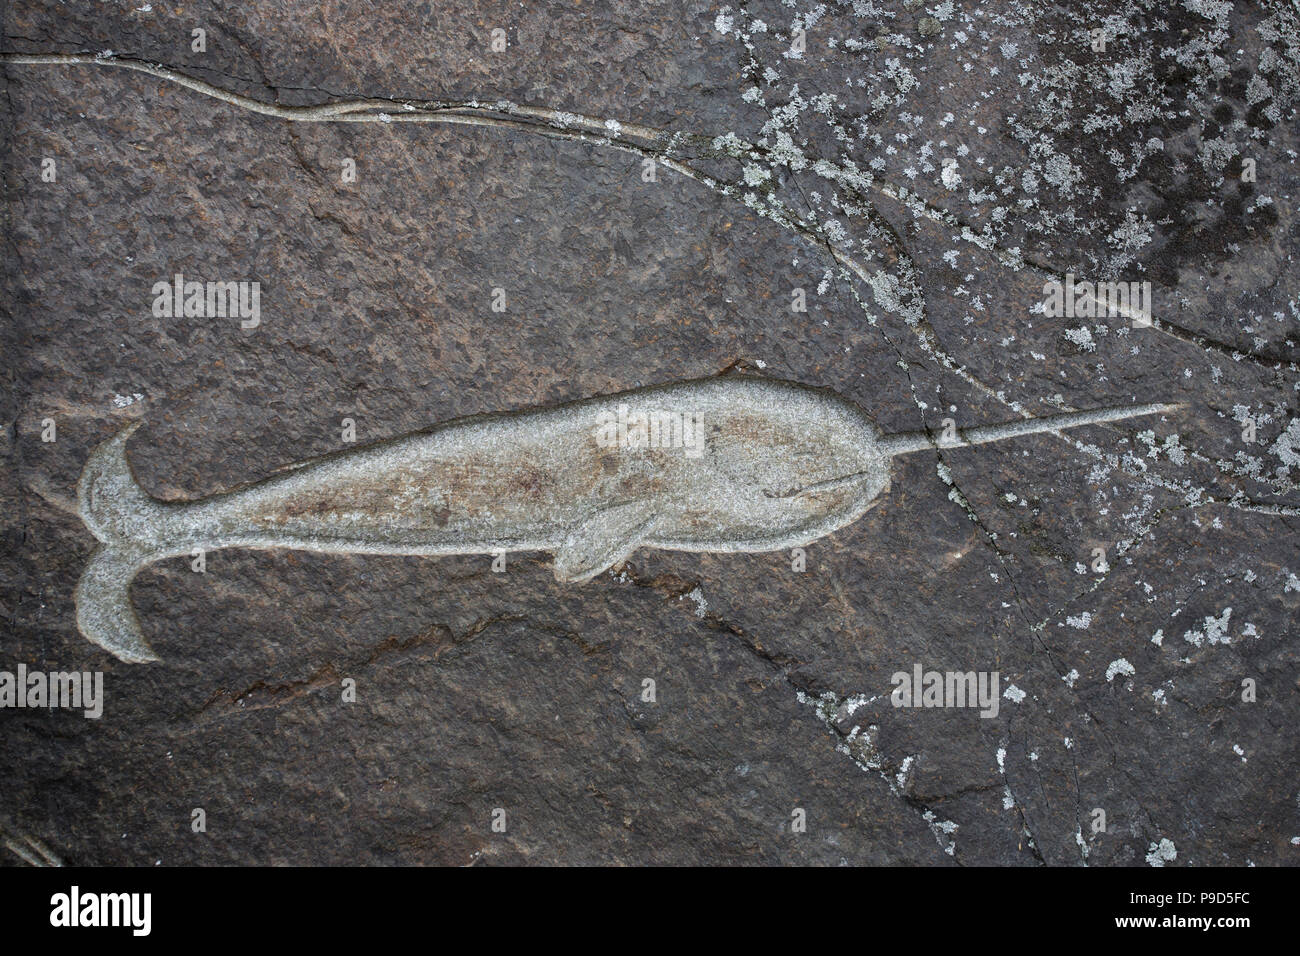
(104, 612)
(919, 441)
(114, 507)
(122, 516)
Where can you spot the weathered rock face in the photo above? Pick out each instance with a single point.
(920, 174)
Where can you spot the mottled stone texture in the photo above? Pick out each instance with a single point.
(478, 690)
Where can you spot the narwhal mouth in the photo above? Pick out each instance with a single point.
(830, 484)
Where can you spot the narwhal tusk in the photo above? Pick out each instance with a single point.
(907, 442)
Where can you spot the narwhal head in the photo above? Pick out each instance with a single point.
(791, 464)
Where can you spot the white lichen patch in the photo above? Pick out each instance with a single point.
(1081, 337)
(1214, 630)
(1117, 667)
(701, 605)
(1158, 854)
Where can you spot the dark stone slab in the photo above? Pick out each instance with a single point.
(478, 691)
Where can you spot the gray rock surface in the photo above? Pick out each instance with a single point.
(959, 154)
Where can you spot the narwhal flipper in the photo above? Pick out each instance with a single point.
(122, 516)
(601, 541)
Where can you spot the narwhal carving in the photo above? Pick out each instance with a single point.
(720, 464)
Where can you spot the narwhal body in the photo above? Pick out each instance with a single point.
(721, 464)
